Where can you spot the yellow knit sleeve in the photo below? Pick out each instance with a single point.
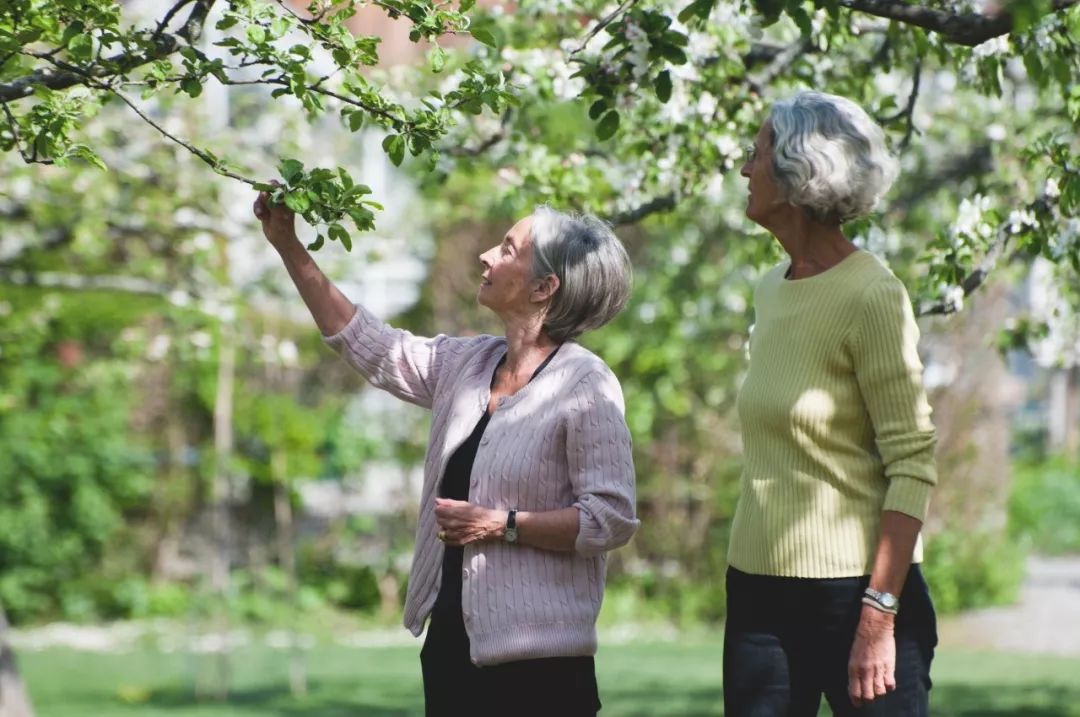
(884, 347)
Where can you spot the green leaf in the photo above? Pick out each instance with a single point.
(81, 47)
(607, 127)
(338, 233)
(663, 86)
(598, 108)
(317, 244)
(466, 5)
(256, 34)
(394, 146)
(484, 36)
(673, 54)
(356, 120)
(191, 86)
(297, 202)
(437, 59)
(699, 8)
(291, 169)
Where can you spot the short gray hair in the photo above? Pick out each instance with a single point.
(829, 157)
(593, 268)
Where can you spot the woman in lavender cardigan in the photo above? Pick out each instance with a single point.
(528, 480)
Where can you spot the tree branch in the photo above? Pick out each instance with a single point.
(967, 28)
(982, 270)
(487, 144)
(163, 45)
(663, 203)
(82, 282)
(778, 65)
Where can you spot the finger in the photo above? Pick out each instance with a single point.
(867, 687)
(890, 678)
(879, 682)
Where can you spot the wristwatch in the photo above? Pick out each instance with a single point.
(510, 535)
(886, 602)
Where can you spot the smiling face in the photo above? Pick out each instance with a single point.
(507, 284)
(764, 194)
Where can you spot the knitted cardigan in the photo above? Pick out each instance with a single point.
(560, 441)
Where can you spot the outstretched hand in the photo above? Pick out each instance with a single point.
(278, 221)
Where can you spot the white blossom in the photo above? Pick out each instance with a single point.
(995, 46)
(1052, 190)
(953, 296)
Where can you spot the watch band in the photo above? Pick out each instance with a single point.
(885, 602)
(511, 534)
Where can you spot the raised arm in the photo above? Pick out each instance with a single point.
(328, 306)
(394, 360)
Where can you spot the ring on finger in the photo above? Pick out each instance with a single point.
(441, 535)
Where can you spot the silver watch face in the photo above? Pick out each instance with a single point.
(511, 535)
(888, 600)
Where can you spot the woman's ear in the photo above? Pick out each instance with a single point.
(544, 288)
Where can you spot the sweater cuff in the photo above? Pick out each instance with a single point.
(350, 331)
(910, 496)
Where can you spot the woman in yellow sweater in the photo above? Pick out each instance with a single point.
(825, 596)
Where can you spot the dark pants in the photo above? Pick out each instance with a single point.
(455, 687)
(788, 640)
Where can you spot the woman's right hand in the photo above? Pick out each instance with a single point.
(278, 221)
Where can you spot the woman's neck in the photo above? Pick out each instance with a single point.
(527, 345)
(813, 247)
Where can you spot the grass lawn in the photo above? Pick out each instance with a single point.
(646, 680)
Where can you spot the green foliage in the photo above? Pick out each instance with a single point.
(967, 571)
(68, 468)
(1044, 505)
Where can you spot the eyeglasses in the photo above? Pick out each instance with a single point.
(751, 152)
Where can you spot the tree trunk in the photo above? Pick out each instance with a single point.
(283, 517)
(14, 701)
(220, 550)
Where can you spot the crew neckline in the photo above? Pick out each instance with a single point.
(834, 270)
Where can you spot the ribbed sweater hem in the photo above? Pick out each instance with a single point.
(532, 642)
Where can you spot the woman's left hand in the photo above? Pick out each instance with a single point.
(872, 665)
(461, 522)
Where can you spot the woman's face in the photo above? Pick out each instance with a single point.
(764, 194)
(507, 285)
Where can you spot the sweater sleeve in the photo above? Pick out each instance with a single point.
(601, 465)
(407, 366)
(887, 366)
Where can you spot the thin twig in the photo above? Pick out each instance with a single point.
(626, 5)
(169, 16)
(909, 109)
(32, 157)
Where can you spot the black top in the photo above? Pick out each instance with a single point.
(455, 485)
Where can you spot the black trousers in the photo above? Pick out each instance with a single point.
(455, 687)
(788, 640)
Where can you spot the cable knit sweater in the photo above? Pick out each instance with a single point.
(560, 441)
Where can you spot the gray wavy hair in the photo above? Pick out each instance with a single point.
(829, 156)
(594, 271)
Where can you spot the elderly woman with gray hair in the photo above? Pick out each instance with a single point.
(824, 591)
(529, 478)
